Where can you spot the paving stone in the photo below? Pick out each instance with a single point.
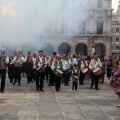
(49, 113)
(25, 103)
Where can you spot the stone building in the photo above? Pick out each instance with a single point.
(64, 26)
(116, 31)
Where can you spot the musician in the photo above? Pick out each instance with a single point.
(18, 62)
(40, 76)
(29, 66)
(74, 60)
(3, 65)
(75, 72)
(57, 64)
(34, 59)
(95, 63)
(82, 64)
(11, 69)
(66, 69)
(47, 68)
(51, 72)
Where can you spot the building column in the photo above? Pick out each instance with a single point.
(73, 50)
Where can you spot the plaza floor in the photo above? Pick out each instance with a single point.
(25, 103)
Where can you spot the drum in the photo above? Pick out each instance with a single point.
(85, 70)
(68, 70)
(97, 71)
(58, 72)
(40, 69)
(75, 78)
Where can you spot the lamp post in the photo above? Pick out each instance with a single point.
(92, 44)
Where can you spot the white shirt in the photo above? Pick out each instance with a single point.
(74, 61)
(66, 64)
(95, 64)
(40, 60)
(82, 64)
(53, 67)
(19, 59)
(34, 62)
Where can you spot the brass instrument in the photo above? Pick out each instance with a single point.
(41, 69)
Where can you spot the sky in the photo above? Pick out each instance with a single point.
(115, 4)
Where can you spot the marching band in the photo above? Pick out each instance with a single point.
(55, 69)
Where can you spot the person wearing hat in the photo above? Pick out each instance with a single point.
(3, 65)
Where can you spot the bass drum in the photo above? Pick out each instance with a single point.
(97, 71)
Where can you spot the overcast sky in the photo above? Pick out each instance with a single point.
(115, 4)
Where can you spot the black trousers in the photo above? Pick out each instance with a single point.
(57, 82)
(47, 72)
(40, 80)
(3, 77)
(52, 77)
(29, 72)
(74, 85)
(17, 71)
(11, 73)
(34, 74)
(66, 78)
(81, 78)
(94, 79)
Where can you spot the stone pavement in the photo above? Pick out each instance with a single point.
(25, 103)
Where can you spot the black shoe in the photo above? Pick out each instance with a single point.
(31, 81)
(28, 82)
(81, 83)
(57, 90)
(19, 84)
(96, 88)
(49, 84)
(65, 85)
(14, 83)
(91, 87)
(53, 85)
(2, 91)
(37, 88)
(42, 90)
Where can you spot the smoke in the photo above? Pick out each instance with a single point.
(24, 21)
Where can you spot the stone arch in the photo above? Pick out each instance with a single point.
(81, 48)
(64, 48)
(47, 48)
(28, 47)
(100, 49)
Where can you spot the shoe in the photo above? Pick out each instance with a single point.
(81, 83)
(19, 84)
(118, 105)
(65, 85)
(91, 87)
(96, 88)
(14, 83)
(49, 84)
(42, 90)
(28, 82)
(57, 90)
(37, 88)
(2, 91)
(31, 81)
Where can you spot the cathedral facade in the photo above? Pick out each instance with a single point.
(64, 26)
